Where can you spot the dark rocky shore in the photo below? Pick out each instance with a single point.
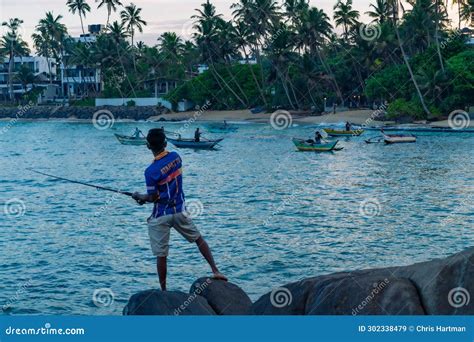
(437, 287)
(73, 112)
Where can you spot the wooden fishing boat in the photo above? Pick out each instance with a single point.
(399, 138)
(191, 143)
(304, 145)
(342, 133)
(130, 140)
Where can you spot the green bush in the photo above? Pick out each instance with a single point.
(401, 108)
(131, 103)
(87, 102)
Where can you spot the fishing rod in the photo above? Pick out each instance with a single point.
(126, 193)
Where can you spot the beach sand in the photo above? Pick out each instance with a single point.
(360, 117)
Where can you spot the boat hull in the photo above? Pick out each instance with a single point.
(399, 139)
(201, 145)
(338, 133)
(127, 140)
(304, 146)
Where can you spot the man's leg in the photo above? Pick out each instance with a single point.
(161, 268)
(207, 254)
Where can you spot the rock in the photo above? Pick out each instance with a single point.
(156, 302)
(364, 295)
(224, 297)
(436, 287)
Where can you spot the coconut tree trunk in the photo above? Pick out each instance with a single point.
(10, 73)
(260, 91)
(407, 63)
(438, 49)
(82, 24)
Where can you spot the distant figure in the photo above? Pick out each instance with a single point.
(225, 123)
(334, 106)
(382, 131)
(137, 133)
(348, 126)
(197, 135)
(317, 137)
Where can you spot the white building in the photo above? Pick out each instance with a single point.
(77, 81)
(44, 70)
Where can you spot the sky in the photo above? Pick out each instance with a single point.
(161, 15)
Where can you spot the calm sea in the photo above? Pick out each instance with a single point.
(270, 214)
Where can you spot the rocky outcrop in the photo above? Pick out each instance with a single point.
(78, 112)
(437, 287)
(224, 297)
(156, 302)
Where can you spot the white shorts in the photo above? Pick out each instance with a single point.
(159, 231)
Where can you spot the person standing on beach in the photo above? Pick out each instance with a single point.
(164, 182)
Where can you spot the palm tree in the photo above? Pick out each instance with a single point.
(12, 45)
(132, 20)
(50, 39)
(170, 43)
(345, 16)
(81, 7)
(395, 19)
(467, 12)
(111, 6)
(117, 31)
(25, 76)
(380, 12)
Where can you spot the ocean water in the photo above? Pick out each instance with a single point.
(270, 214)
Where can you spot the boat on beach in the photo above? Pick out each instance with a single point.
(306, 146)
(398, 138)
(130, 140)
(342, 133)
(191, 143)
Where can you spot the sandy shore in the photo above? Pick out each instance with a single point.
(360, 117)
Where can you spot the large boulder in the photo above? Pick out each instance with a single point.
(437, 287)
(156, 302)
(224, 297)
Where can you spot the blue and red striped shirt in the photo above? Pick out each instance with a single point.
(164, 177)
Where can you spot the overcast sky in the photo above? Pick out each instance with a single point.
(161, 15)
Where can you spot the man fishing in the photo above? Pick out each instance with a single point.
(164, 182)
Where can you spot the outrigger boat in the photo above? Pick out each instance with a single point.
(191, 143)
(399, 138)
(304, 145)
(130, 140)
(342, 133)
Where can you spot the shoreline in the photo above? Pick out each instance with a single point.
(358, 117)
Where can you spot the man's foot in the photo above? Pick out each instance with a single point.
(219, 276)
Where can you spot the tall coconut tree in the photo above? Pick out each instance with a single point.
(81, 7)
(345, 16)
(117, 31)
(132, 20)
(12, 45)
(50, 39)
(111, 6)
(380, 11)
(395, 18)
